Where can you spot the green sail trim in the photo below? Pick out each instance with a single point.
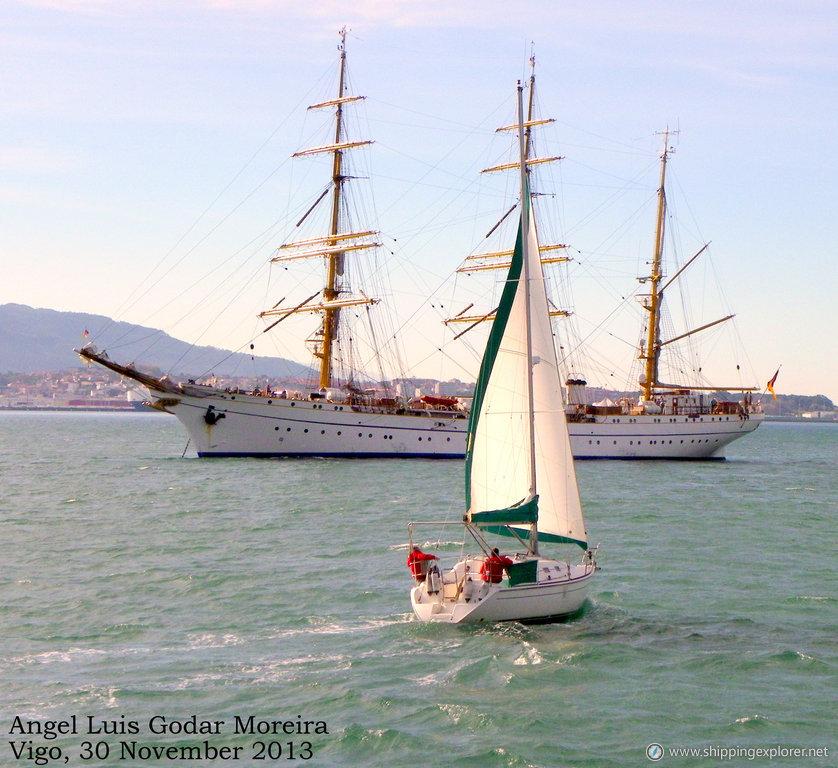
(550, 538)
(524, 512)
(493, 344)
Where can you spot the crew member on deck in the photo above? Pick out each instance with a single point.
(492, 568)
(419, 562)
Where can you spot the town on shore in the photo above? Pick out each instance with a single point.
(95, 389)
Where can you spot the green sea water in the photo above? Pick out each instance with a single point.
(145, 596)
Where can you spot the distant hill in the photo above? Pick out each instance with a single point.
(34, 340)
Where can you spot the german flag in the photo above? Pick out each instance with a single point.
(771, 384)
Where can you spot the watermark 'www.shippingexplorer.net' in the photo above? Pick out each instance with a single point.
(657, 752)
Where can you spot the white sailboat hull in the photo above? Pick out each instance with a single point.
(267, 427)
(549, 599)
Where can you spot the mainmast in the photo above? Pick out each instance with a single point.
(500, 260)
(331, 316)
(653, 302)
(334, 246)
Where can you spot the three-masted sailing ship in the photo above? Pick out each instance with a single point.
(339, 417)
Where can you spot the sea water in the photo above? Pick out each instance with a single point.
(164, 610)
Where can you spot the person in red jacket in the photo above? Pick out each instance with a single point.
(492, 568)
(418, 562)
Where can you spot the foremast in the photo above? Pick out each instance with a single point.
(332, 247)
(331, 315)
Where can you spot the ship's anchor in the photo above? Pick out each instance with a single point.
(212, 416)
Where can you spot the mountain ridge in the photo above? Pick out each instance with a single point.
(40, 339)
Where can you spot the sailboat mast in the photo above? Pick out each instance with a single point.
(653, 345)
(530, 97)
(331, 316)
(523, 145)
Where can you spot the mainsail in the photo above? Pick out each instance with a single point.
(519, 467)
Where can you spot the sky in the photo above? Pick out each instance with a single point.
(144, 156)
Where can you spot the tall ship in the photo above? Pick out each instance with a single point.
(344, 415)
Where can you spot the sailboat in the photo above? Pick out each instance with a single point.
(520, 479)
(339, 417)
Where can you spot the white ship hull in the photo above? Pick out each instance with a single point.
(266, 427)
(660, 437)
(249, 425)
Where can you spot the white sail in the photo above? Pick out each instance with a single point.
(507, 464)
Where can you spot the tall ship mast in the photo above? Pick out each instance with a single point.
(334, 246)
(653, 344)
(651, 354)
